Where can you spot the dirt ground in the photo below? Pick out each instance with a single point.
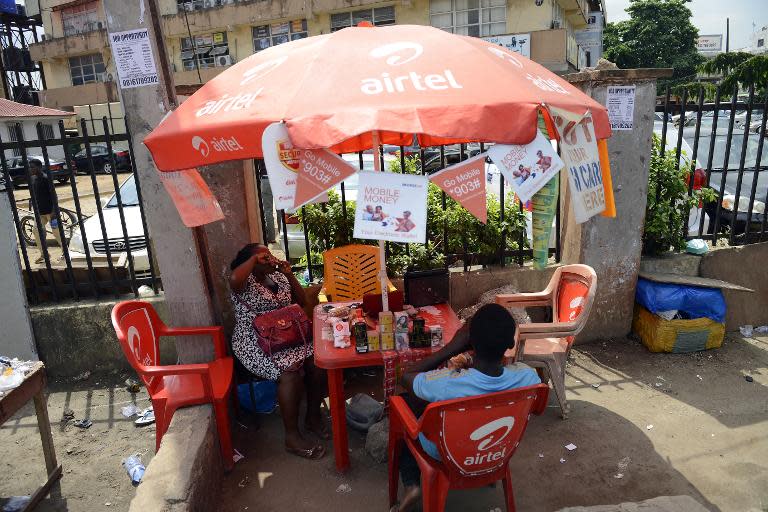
(93, 478)
(645, 425)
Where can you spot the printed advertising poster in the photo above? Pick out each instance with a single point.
(391, 207)
(621, 106)
(282, 162)
(518, 43)
(135, 63)
(578, 146)
(319, 170)
(527, 168)
(465, 183)
(193, 199)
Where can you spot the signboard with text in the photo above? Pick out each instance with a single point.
(518, 43)
(135, 63)
(710, 43)
(319, 170)
(465, 183)
(192, 197)
(391, 207)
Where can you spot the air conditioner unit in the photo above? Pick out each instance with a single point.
(207, 4)
(189, 6)
(224, 60)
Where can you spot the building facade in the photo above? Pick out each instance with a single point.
(203, 37)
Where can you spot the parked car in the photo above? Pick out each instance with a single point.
(102, 162)
(18, 174)
(97, 246)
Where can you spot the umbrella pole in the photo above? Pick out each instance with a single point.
(376, 146)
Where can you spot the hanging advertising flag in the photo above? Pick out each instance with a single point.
(282, 162)
(527, 167)
(193, 199)
(319, 170)
(391, 207)
(578, 146)
(465, 183)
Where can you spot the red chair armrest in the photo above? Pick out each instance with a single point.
(216, 333)
(546, 330)
(524, 300)
(405, 415)
(202, 369)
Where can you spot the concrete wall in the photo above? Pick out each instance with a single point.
(16, 339)
(78, 336)
(186, 473)
(612, 246)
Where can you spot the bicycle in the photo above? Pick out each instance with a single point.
(29, 226)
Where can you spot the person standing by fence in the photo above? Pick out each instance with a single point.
(45, 203)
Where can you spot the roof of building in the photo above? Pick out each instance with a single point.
(10, 108)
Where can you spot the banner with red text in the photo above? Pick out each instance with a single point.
(282, 162)
(193, 199)
(527, 167)
(391, 207)
(578, 148)
(465, 183)
(319, 170)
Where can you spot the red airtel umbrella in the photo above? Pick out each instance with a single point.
(334, 90)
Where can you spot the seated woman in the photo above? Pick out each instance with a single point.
(261, 283)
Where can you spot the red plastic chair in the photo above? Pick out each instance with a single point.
(170, 387)
(570, 293)
(476, 437)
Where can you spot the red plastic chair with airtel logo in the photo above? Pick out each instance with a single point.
(476, 436)
(139, 329)
(570, 293)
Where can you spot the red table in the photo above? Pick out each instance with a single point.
(334, 360)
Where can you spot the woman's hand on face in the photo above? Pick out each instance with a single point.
(284, 267)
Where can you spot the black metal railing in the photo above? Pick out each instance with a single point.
(722, 141)
(96, 218)
(506, 226)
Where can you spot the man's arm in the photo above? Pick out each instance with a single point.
(459, 344)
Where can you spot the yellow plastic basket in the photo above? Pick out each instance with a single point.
(678, 336)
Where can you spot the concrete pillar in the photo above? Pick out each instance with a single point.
(612, 246)
(176, 246)
(16, 335)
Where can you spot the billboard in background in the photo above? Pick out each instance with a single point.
(518, 43)
(710, 44)
(590, 39)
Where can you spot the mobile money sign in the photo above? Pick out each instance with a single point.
(465, 183)
(578, 147)
(319, 170)
(527, 168)
(192, 197)
(391, 207)
(282, 162)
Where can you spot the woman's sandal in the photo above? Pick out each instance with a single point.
(315, 453)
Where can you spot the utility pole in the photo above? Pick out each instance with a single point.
(727, 34)
(180, 251)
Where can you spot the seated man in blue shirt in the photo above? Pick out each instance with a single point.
(490, 332)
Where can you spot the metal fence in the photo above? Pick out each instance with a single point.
(724, 141)
(507, 230)
(97, 218)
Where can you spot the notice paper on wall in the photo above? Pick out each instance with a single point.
(134, 60)
(621, 106)
(391, 207)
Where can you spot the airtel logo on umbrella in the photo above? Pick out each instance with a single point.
(220, 145)
(199, 144)
(397, 54)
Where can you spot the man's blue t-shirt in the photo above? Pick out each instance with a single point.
(447, 384)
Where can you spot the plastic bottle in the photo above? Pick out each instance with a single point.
(135, 468)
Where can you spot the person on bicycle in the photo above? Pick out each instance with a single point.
(45, 204)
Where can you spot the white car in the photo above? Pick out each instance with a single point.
(115, 236)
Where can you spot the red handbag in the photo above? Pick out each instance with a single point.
(282, 328)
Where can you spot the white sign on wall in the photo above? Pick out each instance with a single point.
(518, 43)
(135, 63)
(621, 106)
(709, 44)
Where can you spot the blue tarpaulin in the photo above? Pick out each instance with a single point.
(690, 301)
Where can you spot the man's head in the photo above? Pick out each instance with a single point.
(369, 208)
(378, 209)
(35, 166)
(492, 332)
(406, 214)
(539, 153)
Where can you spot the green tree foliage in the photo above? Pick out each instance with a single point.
(658, 34)
(739, 68)
(710, 91)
